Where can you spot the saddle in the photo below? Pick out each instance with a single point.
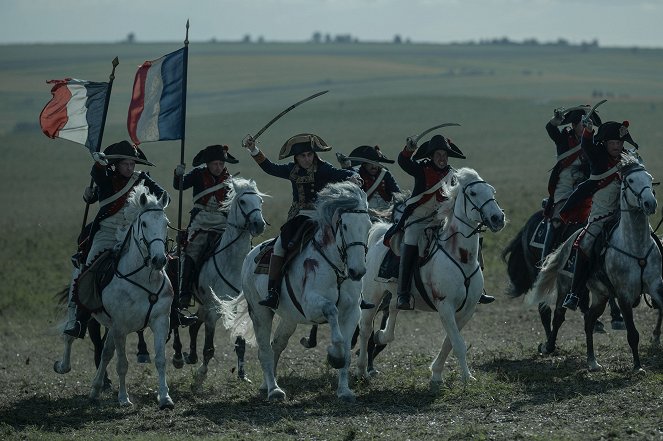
(92, 280)
(299, 238)
(539, 236)
(388, 271)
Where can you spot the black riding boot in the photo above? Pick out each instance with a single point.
(409, 255)
(578, 285)
(186, 294)
(485, 298)
(80, 326)
(274, 282)
(550, 242)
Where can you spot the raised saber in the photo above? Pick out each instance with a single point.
(427, 131)
(589, 114)
(276, 118)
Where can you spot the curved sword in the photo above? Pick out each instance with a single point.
(276, 118)
(589, 114)
(427, 131)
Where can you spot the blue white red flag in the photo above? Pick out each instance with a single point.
(156, 112)
(76, 111)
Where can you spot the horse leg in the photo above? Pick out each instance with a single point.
(632, 334)
(559, 316)
(438, 364)
(143, 355)
(365, 334)
(347, 323)
(160, 330)
(592, 314)
(177, 360)
(386, 335)
(122, 368)
(283, 332)
(448, 316)
(191, 357)
(106, 357)
(240, 350)
(545, 313)
(373, 348)
(312, 340)
(94, 330)
(656, 335)
(64, 365)
(262, 318)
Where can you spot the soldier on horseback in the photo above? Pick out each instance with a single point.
(115, 177)
(570, 170)
(308, 174)
(209, 180)
(378, 182)
(596, 199)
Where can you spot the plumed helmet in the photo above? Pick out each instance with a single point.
(438, 142)
(211, 153)
(614, 131)
(125, 150)
(304, 142)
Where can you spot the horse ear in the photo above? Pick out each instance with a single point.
(165, 199)
(143, 199)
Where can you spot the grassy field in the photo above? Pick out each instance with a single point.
(379, 94)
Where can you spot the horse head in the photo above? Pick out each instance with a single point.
(477, 204)
(637, 193)
(245, 206)
(342, 210)
(149, 225)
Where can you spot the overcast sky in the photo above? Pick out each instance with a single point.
(611, 22)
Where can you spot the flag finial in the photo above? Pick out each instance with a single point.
(186, 39)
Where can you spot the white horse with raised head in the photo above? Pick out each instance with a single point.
(630, 267)
(449, 280)
(138, 296)
(220, 275)
(312, 291)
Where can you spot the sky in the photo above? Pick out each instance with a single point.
(623, 23)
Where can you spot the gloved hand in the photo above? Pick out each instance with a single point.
(356, 179)
(90, 195)
(249, 143)
(587, 122)
(179, 170)
(558, 117)
(99, 158)
(343, 160)
(410, 144)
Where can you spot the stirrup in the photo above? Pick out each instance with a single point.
(486, 299)
(185, 320)
(271, 301)
(571, 301)
(77, 331)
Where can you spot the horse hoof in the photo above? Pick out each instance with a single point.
(543, 349)
(57, 367)
(639, 371)
(276, 395)
(143, 358)
(348, 397)
(166, 404)
(244, 378)
(190, 358)
(594, 367)
(308, 344)
(435, 386)
(178, 362)
(469, 379)
(599, 327)
(372, 372)
(335, 362)
(126, 403)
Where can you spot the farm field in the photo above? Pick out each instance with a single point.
(379, 94)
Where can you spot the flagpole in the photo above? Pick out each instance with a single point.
(115, 62)
(181, 183)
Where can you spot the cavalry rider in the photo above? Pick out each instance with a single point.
(210, 180)
(379, 184)
(571, 169)
(115, 177)
(602, 190)
(308, 174)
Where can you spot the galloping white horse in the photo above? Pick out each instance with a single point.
(220, 274)
(312, 291)
(631, 266)
(138, 296)
(450, 280)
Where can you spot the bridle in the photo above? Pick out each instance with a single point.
(478, 228)
(626, 186)
(245, 214)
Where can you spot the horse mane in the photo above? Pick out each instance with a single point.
(462, 177)
(339, 195)
(134, 208)
(237, 185)
(629, 162)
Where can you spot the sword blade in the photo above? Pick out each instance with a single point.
(276, 118)
(439, 126)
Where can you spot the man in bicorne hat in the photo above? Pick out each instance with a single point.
(210, 180)
(378, 182)
(115, 177)
(596, 200)
(308, 175)
(570, 170)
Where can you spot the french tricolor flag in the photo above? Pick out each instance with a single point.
(76, 111)
(156, 112)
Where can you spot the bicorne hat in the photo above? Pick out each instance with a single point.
(369, 155)
(302, 143)
(213, 153)
(438, 142)
(124, 150)
(614, 131)
(574, 115)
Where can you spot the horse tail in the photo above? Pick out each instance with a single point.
(545, 286)
(62, 296)
(376, 232)
(521, 271)
(236, 319)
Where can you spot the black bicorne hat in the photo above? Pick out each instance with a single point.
(438, 142)
(614, 131)
(371, 154)
(304, 142)
(213, 153)
(125, 150)
(575, 114)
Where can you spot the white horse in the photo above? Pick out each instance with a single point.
(312, 291)
(450, 280)
(220, 274)
(139, 295)
(631, 265)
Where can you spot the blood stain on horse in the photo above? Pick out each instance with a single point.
(310, 266)
(463, 255)
(328, 237)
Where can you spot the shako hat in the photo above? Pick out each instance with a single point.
(575, 114)
(304, 142)
(438, 142)
(213, 153)
(369, 155)
(614, 131)
(124, 150)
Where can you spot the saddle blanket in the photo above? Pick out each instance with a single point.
(92, 280)
(539, 236)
